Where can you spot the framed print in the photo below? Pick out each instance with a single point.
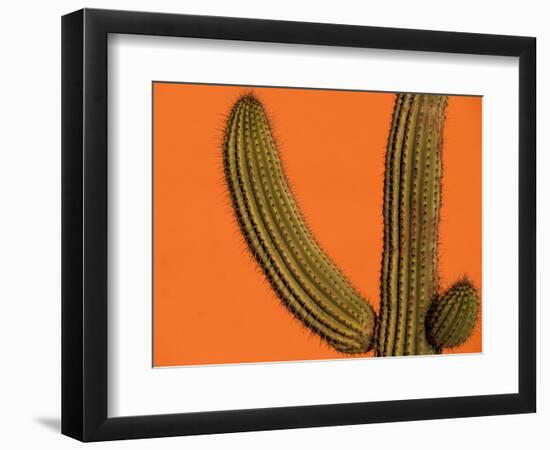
(342, 214)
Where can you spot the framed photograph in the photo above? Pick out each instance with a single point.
(273, 224)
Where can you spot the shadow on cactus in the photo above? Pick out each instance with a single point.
(415, 317)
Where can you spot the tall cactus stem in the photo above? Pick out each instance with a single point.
(412, 186)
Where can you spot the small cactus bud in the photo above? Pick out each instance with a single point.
(452, 317)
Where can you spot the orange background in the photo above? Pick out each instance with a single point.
(211, 303)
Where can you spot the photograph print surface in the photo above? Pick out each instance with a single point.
(307, 224)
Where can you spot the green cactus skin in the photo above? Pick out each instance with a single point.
(308, 283)
(451, 319)
(412, 197)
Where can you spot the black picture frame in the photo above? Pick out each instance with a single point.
(84, 224)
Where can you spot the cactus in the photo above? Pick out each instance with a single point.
(305, 278)
(413, 319)
(409, 281)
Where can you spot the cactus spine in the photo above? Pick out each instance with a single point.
(304, 278)
(413, 320)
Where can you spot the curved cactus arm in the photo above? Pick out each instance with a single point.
(305, 279)
(452, 317)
